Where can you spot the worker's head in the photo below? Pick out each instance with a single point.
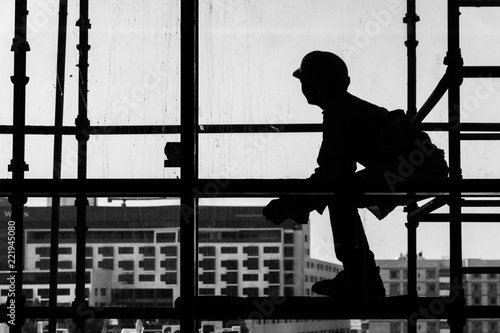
(322, 74)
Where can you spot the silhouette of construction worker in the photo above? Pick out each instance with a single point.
(355, 131)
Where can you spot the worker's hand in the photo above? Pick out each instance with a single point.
(279, 210)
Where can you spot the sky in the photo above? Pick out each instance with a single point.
(248, 50)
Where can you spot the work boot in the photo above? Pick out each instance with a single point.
(349, 283)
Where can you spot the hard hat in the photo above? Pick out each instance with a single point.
(324, 68)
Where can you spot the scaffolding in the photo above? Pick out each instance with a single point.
(455, 191)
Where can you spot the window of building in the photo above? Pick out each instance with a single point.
(228, 249)
(104, 291)
(170, 264)
(230, 265)
(250, 277)
(394, 274)
(272, 264)
(146, 278)
(43, 264)
(476, 300)
(394, 289)
(44, 252)
(288, 264)
(206, 291)
(126, 265)
(492, 327)
(289, 278)
(66, 264)
(273, 277)
(207, 264)
(63, 292)
(492, 300)
(251, 251)
(27, 292)
(106, 251)
(272, 291)
(89, 251)
(230, 291)
(395, 327)
(89, 263)
(125, 250)
(207, 251)
(147, 264)
(288, 252)
(106, 264)
(207, 277)
(169, 251)
(477, 327)
(126, 278)
(444, 272)
(251, 263)
(43, 292)
(492, 276)
(165, 237)
(430, 274)
(288, 238)
(169, 278)
(432, 327)
(271, 249)
(251, 292)
(147, 251)
(431, 289)
(230, 277)
(288, 291)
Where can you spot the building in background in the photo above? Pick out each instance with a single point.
(132, 259)
(433, 280)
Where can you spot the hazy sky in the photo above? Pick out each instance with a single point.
(248, 50)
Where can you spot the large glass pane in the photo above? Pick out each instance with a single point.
(134, 63)
(249, 49)
(7, 61)
(127, 156)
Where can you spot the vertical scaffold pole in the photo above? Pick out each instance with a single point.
(59, 104)
(82, 135)
(411, 43)
(455, 64)
(18, 166)
(189, 165)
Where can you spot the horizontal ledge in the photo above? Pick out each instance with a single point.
(205, 188)
(481, 270)
(281, 307)
(464, 217)
(104, 312)
(480, 136)
(479, 3)
(481, 203)
(303, 307)
(220, 129)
